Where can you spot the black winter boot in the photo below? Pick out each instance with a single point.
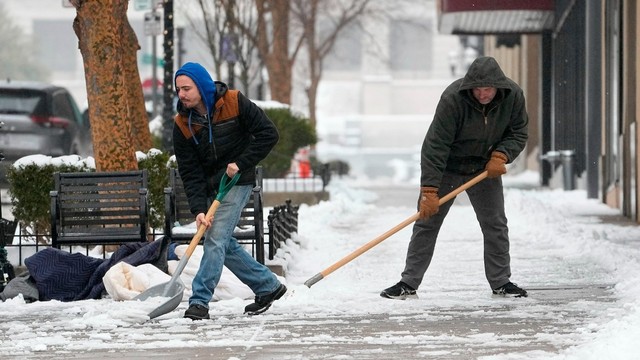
(510, 289)
(197, 312)
(262, 303)
(399, 291)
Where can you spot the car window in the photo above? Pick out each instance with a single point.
(62, 107)
(78, 115)
(65, 106)
(21, 102)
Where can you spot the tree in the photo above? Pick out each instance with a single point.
(210, 31)
(243, 54)
(336, 16)
(225, 43)
(284, 27)
(108, 47)
(295, 132)
(273, 46)
(264, 27)
(281, 29)
(270, 35)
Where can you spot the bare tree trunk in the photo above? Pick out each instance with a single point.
(276, 55)
(106, 79)
(307, 15)
(312, 94)
(279, 64)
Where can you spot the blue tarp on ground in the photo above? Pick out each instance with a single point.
(60, 275)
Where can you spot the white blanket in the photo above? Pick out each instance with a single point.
(124, 282)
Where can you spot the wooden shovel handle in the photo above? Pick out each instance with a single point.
(226, 184)
(390, 232)
(201, 229)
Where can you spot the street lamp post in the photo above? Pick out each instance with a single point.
(168, 92)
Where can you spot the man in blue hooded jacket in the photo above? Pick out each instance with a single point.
(220, 131)
(480, 124)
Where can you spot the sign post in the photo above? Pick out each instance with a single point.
(153, 28)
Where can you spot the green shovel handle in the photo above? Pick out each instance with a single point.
(226, 183)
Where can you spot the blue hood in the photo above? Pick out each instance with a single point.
(203, 81)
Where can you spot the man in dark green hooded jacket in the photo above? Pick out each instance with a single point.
(480, 124)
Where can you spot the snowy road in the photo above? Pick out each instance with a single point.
(562, 252)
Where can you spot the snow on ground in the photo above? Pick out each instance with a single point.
(558, 239)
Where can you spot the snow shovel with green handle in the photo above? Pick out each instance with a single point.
(324, 273)
(171, 292)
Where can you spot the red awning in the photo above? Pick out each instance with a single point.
(495, 16)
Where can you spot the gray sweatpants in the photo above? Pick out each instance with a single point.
(487, 199)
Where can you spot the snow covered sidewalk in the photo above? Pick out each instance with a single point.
(580, 269)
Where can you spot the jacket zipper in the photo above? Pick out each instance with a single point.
(211, 122)
(484, 114)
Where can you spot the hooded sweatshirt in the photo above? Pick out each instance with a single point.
(464, 132)
(234, 130)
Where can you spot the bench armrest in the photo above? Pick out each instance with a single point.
(54, 216)
(169, 210)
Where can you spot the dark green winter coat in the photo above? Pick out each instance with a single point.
(464, 132)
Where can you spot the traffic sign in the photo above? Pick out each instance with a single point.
(147, 59)
(152, 26)
(143, 4)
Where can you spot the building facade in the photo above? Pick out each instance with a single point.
(577, 61)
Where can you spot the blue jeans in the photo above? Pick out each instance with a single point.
(221, 248)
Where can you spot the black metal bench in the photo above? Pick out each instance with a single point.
(249, 230)
(99, 208)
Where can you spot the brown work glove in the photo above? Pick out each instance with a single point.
(429, 201)
(496, 165)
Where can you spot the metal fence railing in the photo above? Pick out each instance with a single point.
(16, 244)
(295, 181)
(19, 244)
(282, 223)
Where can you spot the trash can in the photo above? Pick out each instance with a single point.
(566, 158)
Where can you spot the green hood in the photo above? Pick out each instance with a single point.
(484, 72)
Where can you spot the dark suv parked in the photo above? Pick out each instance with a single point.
(40, 118)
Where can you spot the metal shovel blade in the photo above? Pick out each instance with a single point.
(171, 291)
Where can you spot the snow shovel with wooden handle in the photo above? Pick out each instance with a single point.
(172, 291)
(321, 275)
